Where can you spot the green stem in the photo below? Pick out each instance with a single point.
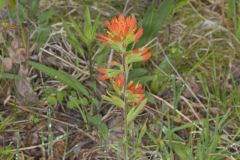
(125, 111)
(90, 61)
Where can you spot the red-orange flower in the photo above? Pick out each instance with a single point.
(146, 55)
(103, 78)
(139, 98)
(121, 29)
(102, 70)
(136, 88)
(119, 81)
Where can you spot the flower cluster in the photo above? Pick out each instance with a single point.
(122, 32)
(134, 91)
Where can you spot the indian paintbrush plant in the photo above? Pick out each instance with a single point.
(127, 95)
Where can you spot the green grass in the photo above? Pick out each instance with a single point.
(192, 82)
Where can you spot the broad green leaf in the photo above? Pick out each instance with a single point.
(101, 126)
(61, 76)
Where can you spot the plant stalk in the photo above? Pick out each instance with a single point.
(125, 111)
(90, 61)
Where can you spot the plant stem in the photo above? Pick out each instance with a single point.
(125, 111)
(90, 61)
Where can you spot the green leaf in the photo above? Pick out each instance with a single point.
(45, 16)
(178, 144)
(83, 101)
(180, 4)
(76, 27)
(113, 72)
(3, 4)
(12, 4)
(133, 58)
(6, 122)
(72, 38)
(7, 153)
(141, 134)
(34, 8)
(41, 34)
(52, 100)
(72, 103)
(60, 96)
(95, 26)
(115, 101)
(153, 21)
(87, 26)
(137, 73)
(97, 122)
(4, 75)
(135, 111)
(181, 150)
(61, 76)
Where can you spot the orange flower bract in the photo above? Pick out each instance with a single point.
(119, 81)
(136, 88)
(121, 29)
(146, 55)
(102, 70)
(103, 78)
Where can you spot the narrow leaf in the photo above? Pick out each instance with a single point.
(134, 112)
(101, 126)
(115, 101)
(61, 76)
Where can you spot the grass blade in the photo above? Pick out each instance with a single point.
(61, 76)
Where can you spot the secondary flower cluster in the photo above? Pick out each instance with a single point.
(122, 32)
(134, 91)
